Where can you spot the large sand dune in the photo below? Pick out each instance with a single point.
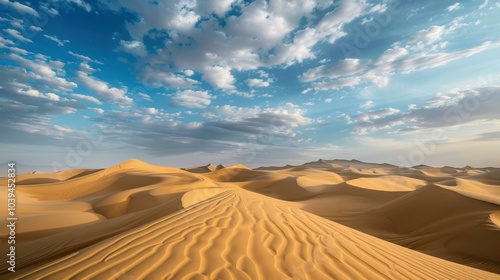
(330, 219)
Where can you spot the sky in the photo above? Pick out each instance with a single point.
(185, 83)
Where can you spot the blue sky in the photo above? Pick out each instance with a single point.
(181, 83)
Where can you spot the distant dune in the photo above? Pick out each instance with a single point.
(328, 219)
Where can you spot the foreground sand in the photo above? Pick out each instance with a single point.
(135, 221)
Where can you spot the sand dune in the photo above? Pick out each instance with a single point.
(136, 220)
(236, 235)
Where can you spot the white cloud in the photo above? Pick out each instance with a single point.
(379, 8)
(86, 98)
(418, 53)
(63, 129)
(21, 8)
(97, 110)
(346, 67)
(188, 72)
(262, 34)
(84, 57)
(82, 4)
(219, 77)
(454, 108)
(257, 83)
(35, 28)
(101, 88)
(29, 91)
(337, 84)
(191, 99)
(144, 96)
(367, 105)
(485, 3)
(454, 7)
(43, 70)
(158, 77)
(18, 50)
(135, 48)
(430, 35)
(59, 42)
(14, 33)
(152, 111)
(17, 23)
(4, 42)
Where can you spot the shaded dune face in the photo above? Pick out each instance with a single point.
(139, 221)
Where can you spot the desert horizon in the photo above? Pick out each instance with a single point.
(326, 219)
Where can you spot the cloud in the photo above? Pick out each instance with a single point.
(219, 7)
(14, 33)
(161, 77)
(367, 105)
(84, 58)
(144, 96)
(59, 42)
(21, 8)
(346, 67)
(484, 4)
(188, 72)
(454, 7)
(191, 99)
(430, 35)
(35, 93)
(86, 98)
(257, 83)
(152, 111)
(404, 57)
(42, 70)
(82, 4)
(261, 34)
(101, 88)
(135, 48)
(455, 108)
(220, 77)
(63, 129)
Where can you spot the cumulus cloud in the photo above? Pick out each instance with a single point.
(454, 108)
(262, 34)
(454, 7)
(257, 83)
(429, 35)
(152, 111)
(17, 35)
(101, 88)
(63, 129)
(191, 99)
(21, 8)
(135, 48)
(58, 41)
(219, 76)
(421, 51)
(86, 98)
(161, 77)
(144, 96)
(84, 57)
(43, 70)
(367, 105)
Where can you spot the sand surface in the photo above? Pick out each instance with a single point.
(329, 219)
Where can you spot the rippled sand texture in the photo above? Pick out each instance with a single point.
(321, 220)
